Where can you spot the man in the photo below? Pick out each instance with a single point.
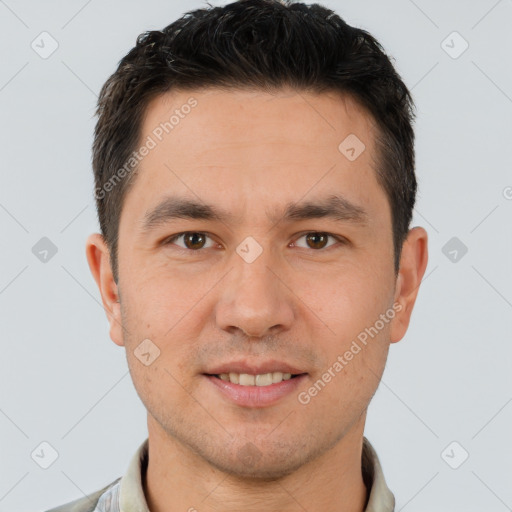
(254, 168)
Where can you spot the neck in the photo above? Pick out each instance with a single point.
(178, 479)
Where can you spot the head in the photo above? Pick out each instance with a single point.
(280, 140)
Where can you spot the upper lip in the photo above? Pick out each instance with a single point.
(254, 368)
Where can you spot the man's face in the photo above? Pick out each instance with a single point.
(256, 291)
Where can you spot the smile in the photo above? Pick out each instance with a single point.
(256, 391)
(263, 379)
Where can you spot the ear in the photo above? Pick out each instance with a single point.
(98, 257)
(413, 262)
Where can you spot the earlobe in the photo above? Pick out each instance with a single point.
(98, 257)
(413, 263)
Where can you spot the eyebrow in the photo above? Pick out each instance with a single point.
(335, 207)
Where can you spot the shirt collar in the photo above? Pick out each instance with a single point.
(380, 498)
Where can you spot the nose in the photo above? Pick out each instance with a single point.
(255, 299)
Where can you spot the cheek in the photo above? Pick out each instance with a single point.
(162, 297)
(346, 299)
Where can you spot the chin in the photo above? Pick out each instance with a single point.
(270, 462)
(268, 470)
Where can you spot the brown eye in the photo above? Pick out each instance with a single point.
(317, 240)
(192, 240)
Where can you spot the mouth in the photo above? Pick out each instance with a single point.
(260, 380)
(249, 390)
(250, 383)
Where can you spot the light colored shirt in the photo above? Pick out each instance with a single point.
(126, 494)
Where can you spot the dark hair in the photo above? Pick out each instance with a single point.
(248, 44)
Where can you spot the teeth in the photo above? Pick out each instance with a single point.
(245, 379)
(264, 379)
(277, 377)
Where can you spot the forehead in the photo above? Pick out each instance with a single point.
(246, 146)
(225, 118)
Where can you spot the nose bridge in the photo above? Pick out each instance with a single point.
(253, 299)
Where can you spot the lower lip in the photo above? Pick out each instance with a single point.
(256, 396)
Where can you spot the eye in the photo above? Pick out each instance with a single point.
(318, 240)
(192, 240)
(196, 240)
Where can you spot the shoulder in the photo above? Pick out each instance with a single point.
(87, 503)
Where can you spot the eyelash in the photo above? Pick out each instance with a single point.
(339, 239)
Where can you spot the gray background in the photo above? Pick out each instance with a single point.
(64, 382)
